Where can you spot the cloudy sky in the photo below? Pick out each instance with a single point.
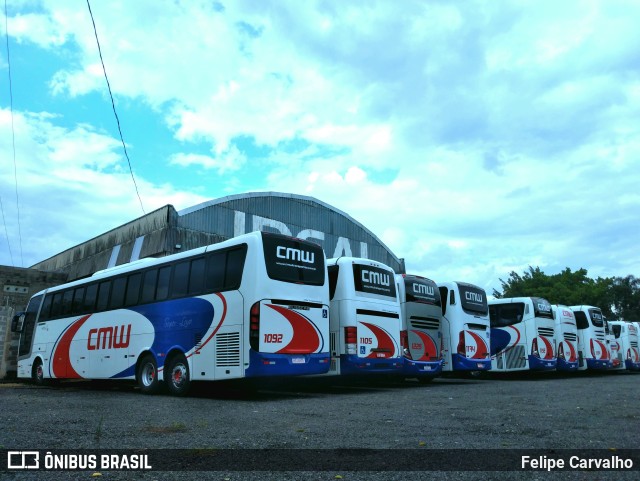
(474, 138)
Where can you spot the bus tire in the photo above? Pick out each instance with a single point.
(177, 376)
(147, 375)
(37, 373)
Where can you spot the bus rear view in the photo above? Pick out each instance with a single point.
(566, 338)
(421, 312)
(465, 327)
(364, 318)
(288, 322)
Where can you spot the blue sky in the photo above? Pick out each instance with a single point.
(474, 138)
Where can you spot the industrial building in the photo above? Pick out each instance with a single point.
(166, 231)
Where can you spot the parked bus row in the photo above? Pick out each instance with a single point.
(264, 304)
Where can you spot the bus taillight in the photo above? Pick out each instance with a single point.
(534, 348)
(254, 327)
(462, 348)
(561, 352)
(440, 356)
(351, 339)
(593, 349)
(404, 341)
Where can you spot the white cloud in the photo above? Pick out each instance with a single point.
(72, 185)
(473, 140)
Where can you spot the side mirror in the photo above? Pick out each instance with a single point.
(17, 322)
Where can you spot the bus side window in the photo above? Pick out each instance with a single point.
(78, 298)
(333, 280)
(116, 300)
(90, 298)
(452, 297)
(164, 277)
(56, 305)
(214, 277)
(180, 283)
(196, 277)
(45, 312)
(581, 320)
(149, 286)
(234, 268)
(103, 296)
(133, 289)
(443, 295)
(67, 297)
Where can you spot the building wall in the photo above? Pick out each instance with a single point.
(166, 231)
(299, 216)
(142, 237)
(17, 285)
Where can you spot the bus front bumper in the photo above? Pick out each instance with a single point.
(461, 363)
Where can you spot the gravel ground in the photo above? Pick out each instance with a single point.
(501, 412)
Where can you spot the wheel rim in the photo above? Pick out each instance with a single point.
(39, 372)
(179, 375)
(148, 374)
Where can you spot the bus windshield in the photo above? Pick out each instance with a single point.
(422, 290)
(473, 299)
(374, 280)
(541, 307)
(502, 315)
(596, 317)
(293, 260)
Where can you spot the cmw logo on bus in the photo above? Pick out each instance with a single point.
(292, 254)
(109, 338)
(375, 278)
(423, 289)
(473, 296)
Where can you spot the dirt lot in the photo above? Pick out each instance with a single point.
(503, 414)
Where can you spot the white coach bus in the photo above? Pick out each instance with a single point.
(522, 334)
(566, 338)
(465, 327)
(421, 314)
(625, 336)
(592, 348)
(364, 318)
(255, 305)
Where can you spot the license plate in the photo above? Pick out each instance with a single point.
(297, 360)
(480, 365)
(427, 368)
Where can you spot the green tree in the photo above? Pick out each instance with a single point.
(626, 297)
(566, 287)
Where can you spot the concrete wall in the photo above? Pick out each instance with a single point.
(17, 285)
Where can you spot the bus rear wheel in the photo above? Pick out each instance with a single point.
(176, 375)
(147, 375)
(37, 373)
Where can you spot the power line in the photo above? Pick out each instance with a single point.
(95, 31)
(13, 143)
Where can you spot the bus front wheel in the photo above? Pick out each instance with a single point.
(148, 375)
(37, 373)
(177, 375)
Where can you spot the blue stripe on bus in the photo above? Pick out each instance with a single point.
(175, 325)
